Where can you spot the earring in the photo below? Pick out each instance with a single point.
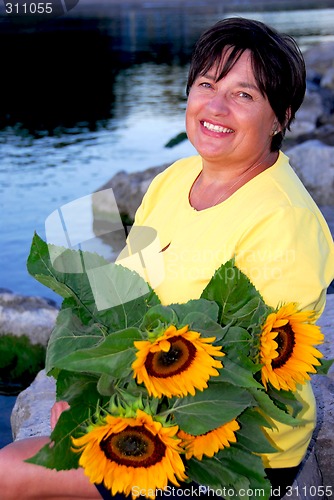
(275, 127)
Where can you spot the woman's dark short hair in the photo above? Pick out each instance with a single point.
(278, 65)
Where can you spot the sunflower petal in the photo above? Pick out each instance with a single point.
(185, 366)
(289, 358)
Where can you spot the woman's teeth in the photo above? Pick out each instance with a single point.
(217, 128)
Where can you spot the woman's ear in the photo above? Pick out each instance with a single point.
(276, 128)
(287, 118)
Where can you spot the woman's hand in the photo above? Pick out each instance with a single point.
(56, 410)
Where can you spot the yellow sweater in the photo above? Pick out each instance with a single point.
(278, 237)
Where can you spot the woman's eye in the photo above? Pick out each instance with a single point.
(206, 85)
(244, 95)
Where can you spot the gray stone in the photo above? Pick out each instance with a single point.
(129, 189)
(319, 58)
(327, 81)
(26, 315)
(307, 116)
(323, 387)
(31, 413)
(323, 133)
(314, 164)
(309, 482)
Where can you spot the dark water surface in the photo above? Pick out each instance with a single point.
(6, 406)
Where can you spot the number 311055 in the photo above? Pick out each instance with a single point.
(29, 8)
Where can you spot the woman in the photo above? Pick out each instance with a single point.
(239, 197)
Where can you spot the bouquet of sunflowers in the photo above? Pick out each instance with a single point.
(170, 395)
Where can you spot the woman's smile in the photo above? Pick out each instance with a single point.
(216, 128)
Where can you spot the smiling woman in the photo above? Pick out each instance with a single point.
(237, 113)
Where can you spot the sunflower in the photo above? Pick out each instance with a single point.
(123, 452)
(176, 363)
(287, 353)
(209, 443)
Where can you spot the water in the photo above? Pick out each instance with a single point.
(104, 94)
(6, 406)
(40, 175)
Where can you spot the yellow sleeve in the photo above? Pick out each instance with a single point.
(289, 258)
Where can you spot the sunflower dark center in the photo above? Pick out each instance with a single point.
(286, 341)
(167, 364)
(134, 447)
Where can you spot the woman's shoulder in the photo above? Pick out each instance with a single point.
(283, 186)
(278, 195)
(170, 184)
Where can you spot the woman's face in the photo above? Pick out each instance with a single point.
(229, 121)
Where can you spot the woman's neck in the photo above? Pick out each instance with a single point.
(213, 185)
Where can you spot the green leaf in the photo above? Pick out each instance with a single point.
(158, 318)
(267, 405)
(239, 301)
(60, 456)
(211, 408)
(236, 374)
(251, 435)
(286, 400)
(238, 345)
(182, 136)
(112, 356)
(97, 291)
(248, 465)
(70, 335)
(207, 307)
(324, 367)
(80, 392)
(211, 473)
(231, 473)
(121, 295)
(78, 389)
(203, 324)
(105, 385)
(66, 273)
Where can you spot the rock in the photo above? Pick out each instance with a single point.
(129, 189)
(327, 81)
(24, 315)
(314, 164)
(307, 115)
(323, 133)
(319, 58)
(31, 413)
(323, 387)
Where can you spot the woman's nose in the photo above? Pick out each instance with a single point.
(218, 104)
